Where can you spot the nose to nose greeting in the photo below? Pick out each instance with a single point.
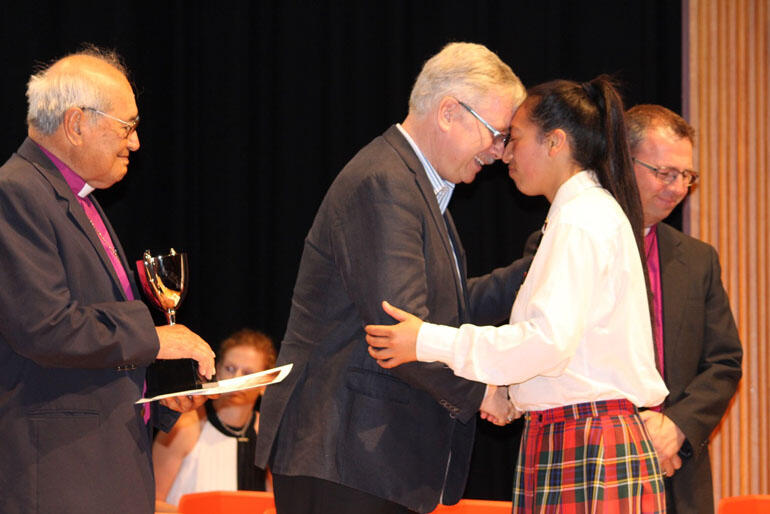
(507, 154)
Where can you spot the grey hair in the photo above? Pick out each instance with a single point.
(49, 95)
(465, 70)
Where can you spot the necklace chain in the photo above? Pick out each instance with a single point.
(239, 433)
(103, 239)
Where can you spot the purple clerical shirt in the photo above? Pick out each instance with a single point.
(653, 269)
(81, 191)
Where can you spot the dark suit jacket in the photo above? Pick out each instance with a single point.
(71, 438)
(378, 235)
(702, 355)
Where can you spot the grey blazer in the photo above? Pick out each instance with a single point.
(379, 235)
(702, 356)
(71, 438)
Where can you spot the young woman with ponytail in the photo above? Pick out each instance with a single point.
(577, 353)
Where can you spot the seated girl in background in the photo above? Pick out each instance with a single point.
(212, 448)
(578, 349)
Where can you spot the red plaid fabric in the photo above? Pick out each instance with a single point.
(586, 458)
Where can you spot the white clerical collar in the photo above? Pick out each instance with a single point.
(85, 190)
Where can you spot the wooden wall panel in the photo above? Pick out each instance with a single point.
(726, 86)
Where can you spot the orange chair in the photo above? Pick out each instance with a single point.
(745, 504)
(475, 507)
(230, 502)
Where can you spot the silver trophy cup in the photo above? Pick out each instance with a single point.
(164, 280)
(164, 283)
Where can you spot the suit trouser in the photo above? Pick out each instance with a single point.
(308, 495)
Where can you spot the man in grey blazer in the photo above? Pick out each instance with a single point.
(340, 433)
(74, 339)
(701, 352)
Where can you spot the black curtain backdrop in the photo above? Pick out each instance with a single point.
(250, 109)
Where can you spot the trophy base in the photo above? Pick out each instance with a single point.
(171, 376)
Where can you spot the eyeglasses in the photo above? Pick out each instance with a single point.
(669, 175)
(497, 136)
(128, 126)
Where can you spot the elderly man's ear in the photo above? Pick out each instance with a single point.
(445, 112)
(72, 124)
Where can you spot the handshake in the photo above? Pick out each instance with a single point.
(497, 408)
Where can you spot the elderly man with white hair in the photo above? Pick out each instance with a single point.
(75, 340)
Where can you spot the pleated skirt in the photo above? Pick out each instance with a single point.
(587, 458)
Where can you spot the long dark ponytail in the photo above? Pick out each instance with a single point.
(592, 116)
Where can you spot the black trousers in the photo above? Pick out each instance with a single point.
(308, 495)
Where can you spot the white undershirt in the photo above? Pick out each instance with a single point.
(212, 465)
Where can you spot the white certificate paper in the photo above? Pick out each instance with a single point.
(230, 385)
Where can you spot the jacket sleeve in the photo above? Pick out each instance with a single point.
(41, 318)
(705, 398)
(380, 240)
(491, 296)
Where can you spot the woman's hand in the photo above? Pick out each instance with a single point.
(392, 345)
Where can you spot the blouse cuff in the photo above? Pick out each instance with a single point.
(436, 343)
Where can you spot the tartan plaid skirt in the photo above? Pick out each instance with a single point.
(587, 458)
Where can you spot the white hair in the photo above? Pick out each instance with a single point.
(50, 94)
(466, 70)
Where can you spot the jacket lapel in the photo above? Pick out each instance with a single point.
(32, 153)
(461, 264)
(673, 281)
(121, 253)
(444, 226)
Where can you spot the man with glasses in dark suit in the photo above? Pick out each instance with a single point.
(341, 434)
(697, 346)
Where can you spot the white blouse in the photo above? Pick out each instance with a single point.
(580, 326)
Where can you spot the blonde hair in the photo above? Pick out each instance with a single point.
(464, 70)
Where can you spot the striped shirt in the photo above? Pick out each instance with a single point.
(443, 189)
